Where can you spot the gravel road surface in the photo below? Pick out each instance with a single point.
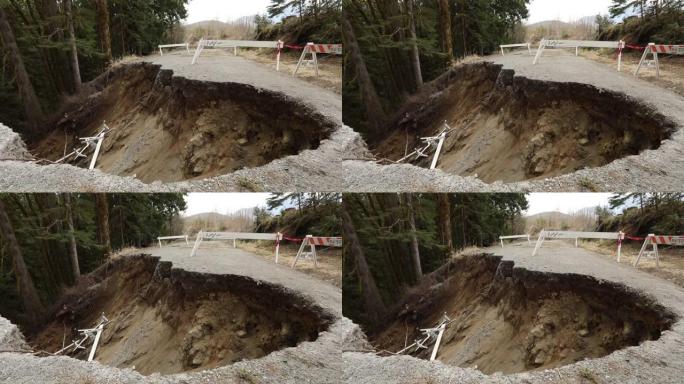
(310, 362)
(659, 361)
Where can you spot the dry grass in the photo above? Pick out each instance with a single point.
(671, 258)
(329, 260)
(671, 68)
(329, 67)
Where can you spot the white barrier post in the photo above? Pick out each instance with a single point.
(159, 242)
(528, 240)
(186, 240)
(100, 139)
(197, 243)
(277, 250)
(529, 48)
(281, 45)
(542, 45)
(619, 248)
(620, 49)
(500, 239)
(540, 240)
(301, 249)
(439, 149)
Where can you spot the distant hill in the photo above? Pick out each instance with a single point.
(581, 29)
(581, 220)
(240, 221)
(553, 215)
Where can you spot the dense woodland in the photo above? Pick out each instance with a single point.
(643, 213)
(392, 240)
(48, 240)
(301, 214)
(48, 48)
(393, 47)
(301, 21)
(644, 21)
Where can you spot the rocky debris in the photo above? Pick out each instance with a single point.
(12, 147)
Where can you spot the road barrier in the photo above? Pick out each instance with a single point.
(186, 45)
(313, 50)
(502, 238)
(553, 235)
(236, 44)
(528, 45)
(234, 236)
(656, 240)
(655, 49)
(312, 241)
(577, 44)
(160, 238)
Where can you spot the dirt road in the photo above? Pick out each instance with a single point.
(659, 361)
(309, 362)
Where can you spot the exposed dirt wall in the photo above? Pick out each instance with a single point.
(508, 320)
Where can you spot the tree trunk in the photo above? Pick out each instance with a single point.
(375, 308)
(103, 221)
(73, 252)
(103, 34)
(445, 35)
(415, 251)
(369, 96)
(75, 71)
(27, 291)
(444, 209)
(32, 110)
(415, 55)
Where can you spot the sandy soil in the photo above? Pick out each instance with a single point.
(329, 260)
(671, 68)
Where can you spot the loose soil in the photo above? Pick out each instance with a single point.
(509, 320)
(512, 128)
(169, 320)
(168, 128)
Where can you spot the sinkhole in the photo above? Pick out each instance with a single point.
(169, 320)
(507, 128)
(166, 128)
(509, 320)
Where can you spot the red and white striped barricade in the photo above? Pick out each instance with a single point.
(544, 235)
(236, 45)
(577, 44)
(181, 237)
(186, 45)
(513, 237)
(656, 240)
(655, 49)
(234, 236)
(313, 50)
(335, 242)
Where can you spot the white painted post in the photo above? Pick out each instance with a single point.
(657, 256)
(439, 340)
(197, 243)
(186, 240)
(315, 60)
(97, 150)
(621, 48)
(657, 64)
(161, 53)
(187, 47)
(279, 237)
(97, 340)
(542, 45)
(540, 240)
(439, 149)
(643, 248)
(529, 48)
(576, 242)
(301, 58)
(528, 240)
(301, 249)
(619, 248)
(159, 243)
(198, 51)
(281, 45)
(234, 243)
(313, 253)
(502, 51)
(501, 242)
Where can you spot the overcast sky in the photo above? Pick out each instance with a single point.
(542, 10)
(223, 202)
(564, 202)
(224, 10)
